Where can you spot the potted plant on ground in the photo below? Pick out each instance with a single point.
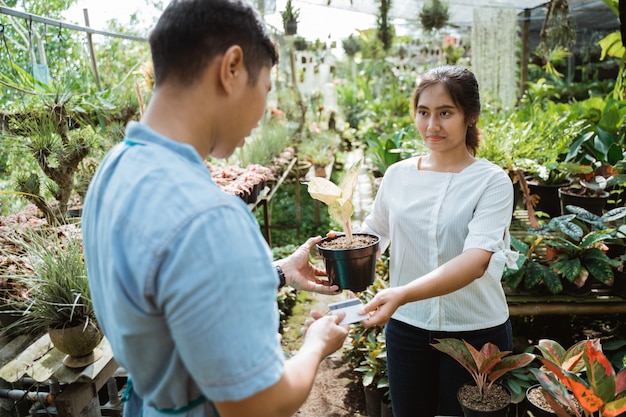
(58, 299)
(602, 391)
(486, 367)
(366, 352)
(569, 360)
(350, 258)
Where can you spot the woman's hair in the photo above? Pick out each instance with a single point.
(461, 85)
(191, 33)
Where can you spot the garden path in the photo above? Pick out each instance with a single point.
(337, 391)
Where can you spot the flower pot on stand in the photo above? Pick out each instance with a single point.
(473, 409)
(593, 203)
(354, 267)
(79, 343)
(548, 197)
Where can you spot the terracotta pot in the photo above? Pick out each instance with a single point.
(76, 341)
(552, 253)
(350, 268)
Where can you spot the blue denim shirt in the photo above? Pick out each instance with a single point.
(181, 277)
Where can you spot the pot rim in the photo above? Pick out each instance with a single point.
(327, 239)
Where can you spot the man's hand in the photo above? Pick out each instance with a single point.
(301, 274)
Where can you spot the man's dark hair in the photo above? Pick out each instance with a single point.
(191, 33)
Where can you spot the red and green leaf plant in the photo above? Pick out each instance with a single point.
(603, 390)
(485, 366)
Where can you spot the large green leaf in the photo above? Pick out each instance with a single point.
(569, 268)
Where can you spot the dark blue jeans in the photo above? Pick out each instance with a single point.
(423, 382)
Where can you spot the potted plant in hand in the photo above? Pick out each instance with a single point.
(58, 299)
(350, 258)
(486, 367)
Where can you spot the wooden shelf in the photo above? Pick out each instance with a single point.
(526, 305)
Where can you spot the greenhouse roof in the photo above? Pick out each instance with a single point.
(586, 15)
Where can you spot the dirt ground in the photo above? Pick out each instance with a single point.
(337, 391)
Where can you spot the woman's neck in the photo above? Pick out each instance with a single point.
(445, 163)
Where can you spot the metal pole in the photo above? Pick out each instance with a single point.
(94, 65)
(59, 24)
(525, 51)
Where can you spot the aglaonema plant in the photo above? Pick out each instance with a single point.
(603, 390)
(485, 366)
(338, 198)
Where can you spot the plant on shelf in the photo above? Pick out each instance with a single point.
(58, 299)
(579, 253)
(602, 390)
(486, 366)
(532, 270)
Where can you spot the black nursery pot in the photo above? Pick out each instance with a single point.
(352, 268)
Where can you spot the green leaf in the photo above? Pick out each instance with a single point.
(569, 268)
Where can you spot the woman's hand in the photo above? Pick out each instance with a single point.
(382, 306)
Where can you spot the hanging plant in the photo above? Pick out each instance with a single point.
(434, 15)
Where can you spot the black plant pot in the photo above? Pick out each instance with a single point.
(571, 289)
(594, 204)
(352, 268)
(500, 412)
(619, 285)
(373, 401)
(291, 27)
(534, 408)
(548, 197)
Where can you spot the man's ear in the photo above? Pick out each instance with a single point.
(231, 67)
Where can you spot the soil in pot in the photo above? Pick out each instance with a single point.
(536, 403)
(350, 265)
(495, 405)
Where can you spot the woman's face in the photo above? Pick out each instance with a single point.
(441, 123)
